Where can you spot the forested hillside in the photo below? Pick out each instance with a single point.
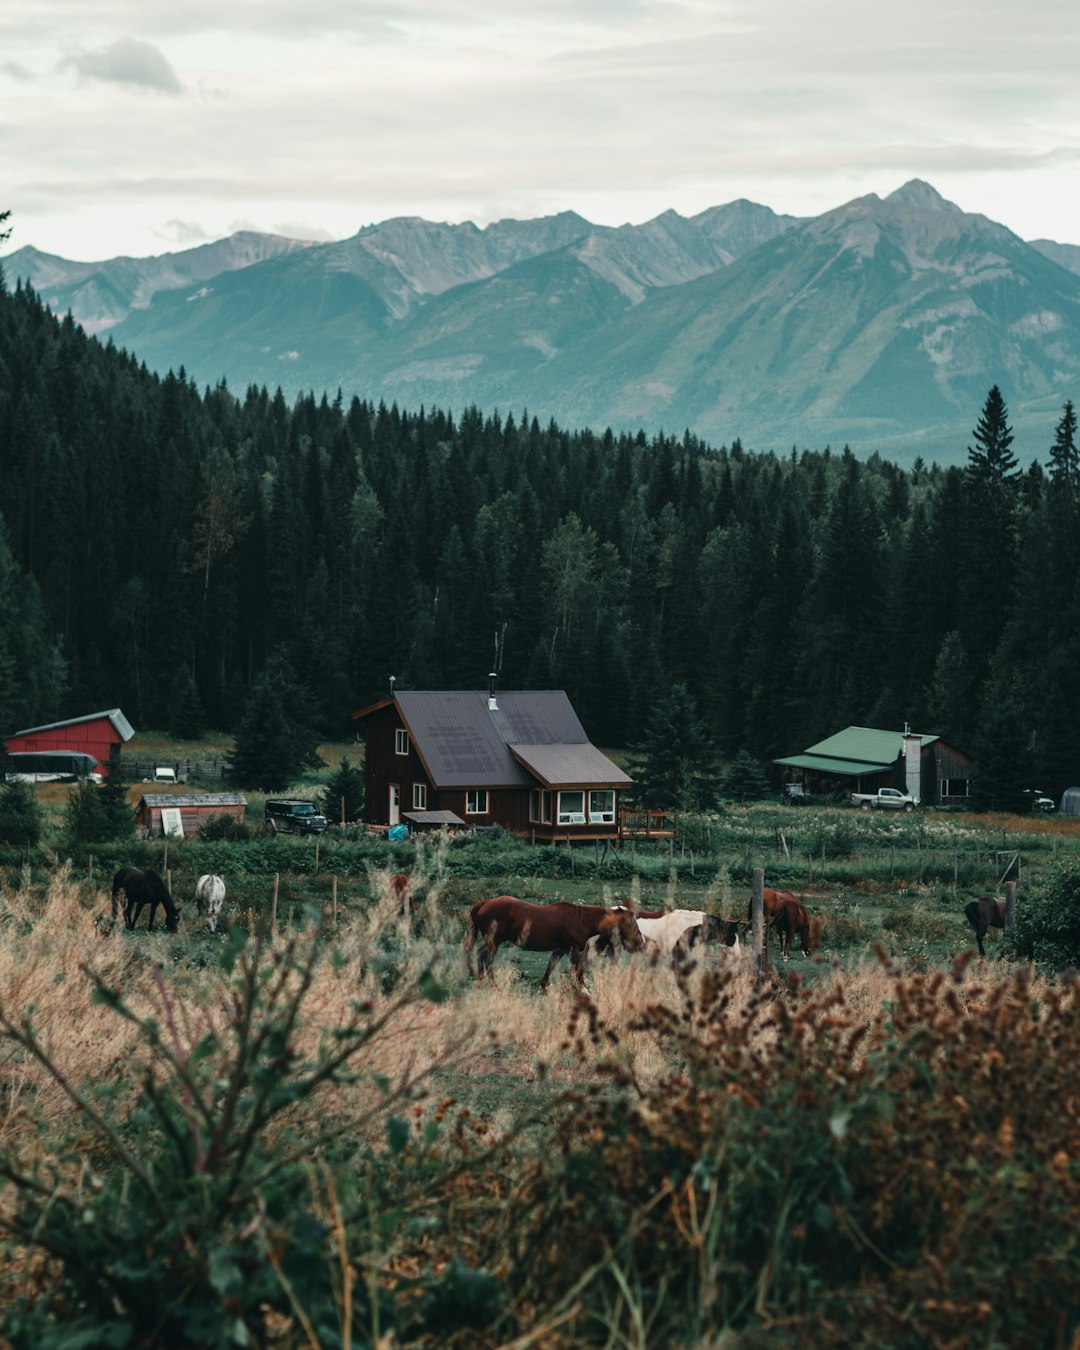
(160, 547)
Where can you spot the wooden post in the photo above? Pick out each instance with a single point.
(91, 870)
(757, 919)
(165, 860)
(333, 893)
(317, 842)
(273, 909)
(1010, 904)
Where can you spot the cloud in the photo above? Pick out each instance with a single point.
(127, 61)
(17, 71)
(183, 232)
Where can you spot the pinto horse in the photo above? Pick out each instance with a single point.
(141, 887)
(562, 929)
(984, 913)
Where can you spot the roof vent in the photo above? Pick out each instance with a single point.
(492, 705)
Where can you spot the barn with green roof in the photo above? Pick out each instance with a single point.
(863, 759)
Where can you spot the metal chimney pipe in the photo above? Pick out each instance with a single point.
(492, 705)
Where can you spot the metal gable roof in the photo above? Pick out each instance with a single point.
(867, 744)
(841, 767)
(194, 799)
(464, 743)
(570, 766)
(123, 727)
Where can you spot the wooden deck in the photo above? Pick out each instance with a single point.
(642, 823)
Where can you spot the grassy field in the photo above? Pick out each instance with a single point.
(314, 1128)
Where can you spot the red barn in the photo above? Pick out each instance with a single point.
(93, 734)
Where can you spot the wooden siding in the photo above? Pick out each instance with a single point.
(507, 807)
(148, 818)
(87, 738)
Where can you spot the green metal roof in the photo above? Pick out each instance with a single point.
(824, 764)
(866, 744)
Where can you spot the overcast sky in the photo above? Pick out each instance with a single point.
(136, 126)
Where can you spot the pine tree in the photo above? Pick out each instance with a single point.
(274, 741)
(677, 755)
(343, 796)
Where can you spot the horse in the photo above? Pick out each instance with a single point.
(399, 889)
(562, 929)
(789, 920)
(143, 887)
(209, 897)
(984, 913)
(674, 933)
(784, 913)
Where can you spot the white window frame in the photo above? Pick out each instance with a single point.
(401, 741)
(605, 815)
(419, 796)
(473, 799)
(569, 816)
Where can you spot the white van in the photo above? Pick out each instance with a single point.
(164, 774)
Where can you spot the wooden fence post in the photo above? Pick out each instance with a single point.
(273, 909)
(333, 892)
(757, 919)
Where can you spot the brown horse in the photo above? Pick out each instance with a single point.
(787, 916)
(792, 919)
(399, 888)
(561, 929)
(984, 913)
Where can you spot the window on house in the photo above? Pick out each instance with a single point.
(476, 802)
(419, 796)
(602, 806)
(534, 804)
(401, 742)
(954, 787)
(571, 808)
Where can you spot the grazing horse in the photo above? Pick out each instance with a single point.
(209, 897)
(674, 933)
(789, 920)
(784, 913)
(562, 929)
(984, 913)
(142, 887)
(399, 889)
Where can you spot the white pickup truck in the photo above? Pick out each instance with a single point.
(892, 799)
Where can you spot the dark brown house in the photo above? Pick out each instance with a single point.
(516, 758)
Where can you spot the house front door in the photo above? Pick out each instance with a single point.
(395, 803)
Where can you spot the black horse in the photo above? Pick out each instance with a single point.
(984, 913)
(142, 887)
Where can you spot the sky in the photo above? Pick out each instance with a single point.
(139, 127)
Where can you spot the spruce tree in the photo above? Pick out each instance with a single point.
(275, 741)
(343, 796)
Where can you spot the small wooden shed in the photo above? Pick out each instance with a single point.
(184, 812)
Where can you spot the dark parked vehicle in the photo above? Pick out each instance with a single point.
(288, 815)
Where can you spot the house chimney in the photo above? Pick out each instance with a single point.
(492, 705)
(393, 681)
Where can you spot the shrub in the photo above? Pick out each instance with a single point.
(224, 826)
(1048, 919)
(20, 819)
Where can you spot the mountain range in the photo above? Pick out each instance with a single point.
(880, 324)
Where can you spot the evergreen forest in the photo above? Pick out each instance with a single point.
(162, 550)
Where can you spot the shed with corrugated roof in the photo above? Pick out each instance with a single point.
(184, 813)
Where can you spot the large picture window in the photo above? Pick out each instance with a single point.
(476, 802)
(602, 806)
(571, 808)
(401, 741)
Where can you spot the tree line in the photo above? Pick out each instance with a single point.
(190, 555)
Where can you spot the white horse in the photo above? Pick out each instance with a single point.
(675, 933)
(209, 897)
